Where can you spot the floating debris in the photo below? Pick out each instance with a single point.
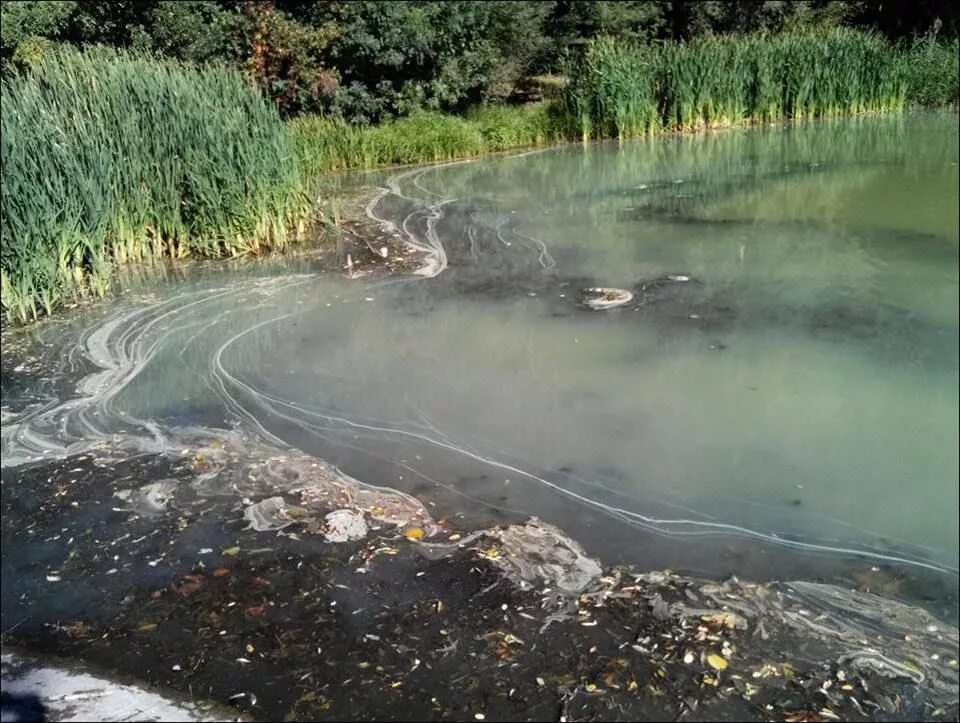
(537, 553)
(150, 499)
(599, 298)
(272, 513)
(344, 525)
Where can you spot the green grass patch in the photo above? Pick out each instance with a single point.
(325, 145)
(110, 157)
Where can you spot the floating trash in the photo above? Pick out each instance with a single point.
(272, 513)
(150, 499)
(600, 298)
(536, 552)
(344, 525)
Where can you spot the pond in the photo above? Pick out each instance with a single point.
(778, 398)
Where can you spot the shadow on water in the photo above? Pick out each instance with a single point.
(20, 708)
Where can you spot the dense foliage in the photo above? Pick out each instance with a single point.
(365, 61)
(165, 159)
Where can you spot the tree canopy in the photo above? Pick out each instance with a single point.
(365, 60)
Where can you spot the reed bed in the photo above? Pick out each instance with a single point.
(624, 90)
(110, 158)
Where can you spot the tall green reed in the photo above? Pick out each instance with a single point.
(111, 157)
(621, 90)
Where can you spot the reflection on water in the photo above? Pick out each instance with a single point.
(798, 394)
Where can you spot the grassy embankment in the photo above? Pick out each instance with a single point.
(109, 158)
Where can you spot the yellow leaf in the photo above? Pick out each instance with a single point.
(147, 626)
(232, 550)
(378, 511)
(413, 533)
(717, 662)
(723, 618)
(249, 648)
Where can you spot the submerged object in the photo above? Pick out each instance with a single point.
(599, 298)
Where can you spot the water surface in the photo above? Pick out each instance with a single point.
(793, 406)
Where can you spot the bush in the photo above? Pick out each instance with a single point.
(933, 72)
(109, 157)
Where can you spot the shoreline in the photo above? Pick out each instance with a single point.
(318, 242)
(278, 621)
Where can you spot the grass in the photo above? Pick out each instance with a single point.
(325, 145)
(110, 157)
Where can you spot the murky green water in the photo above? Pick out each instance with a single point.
(796, 399)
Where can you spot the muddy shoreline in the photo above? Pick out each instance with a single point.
(284, 625)
(418, 619)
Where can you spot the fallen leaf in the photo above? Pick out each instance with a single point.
(255, 610)
(717, 662)
(802, 716)
(413, 533)
(232, 550)
(189, 584)
(221, 572)
(145, 627)
(724, 619)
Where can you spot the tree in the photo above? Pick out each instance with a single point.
(398, 56)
